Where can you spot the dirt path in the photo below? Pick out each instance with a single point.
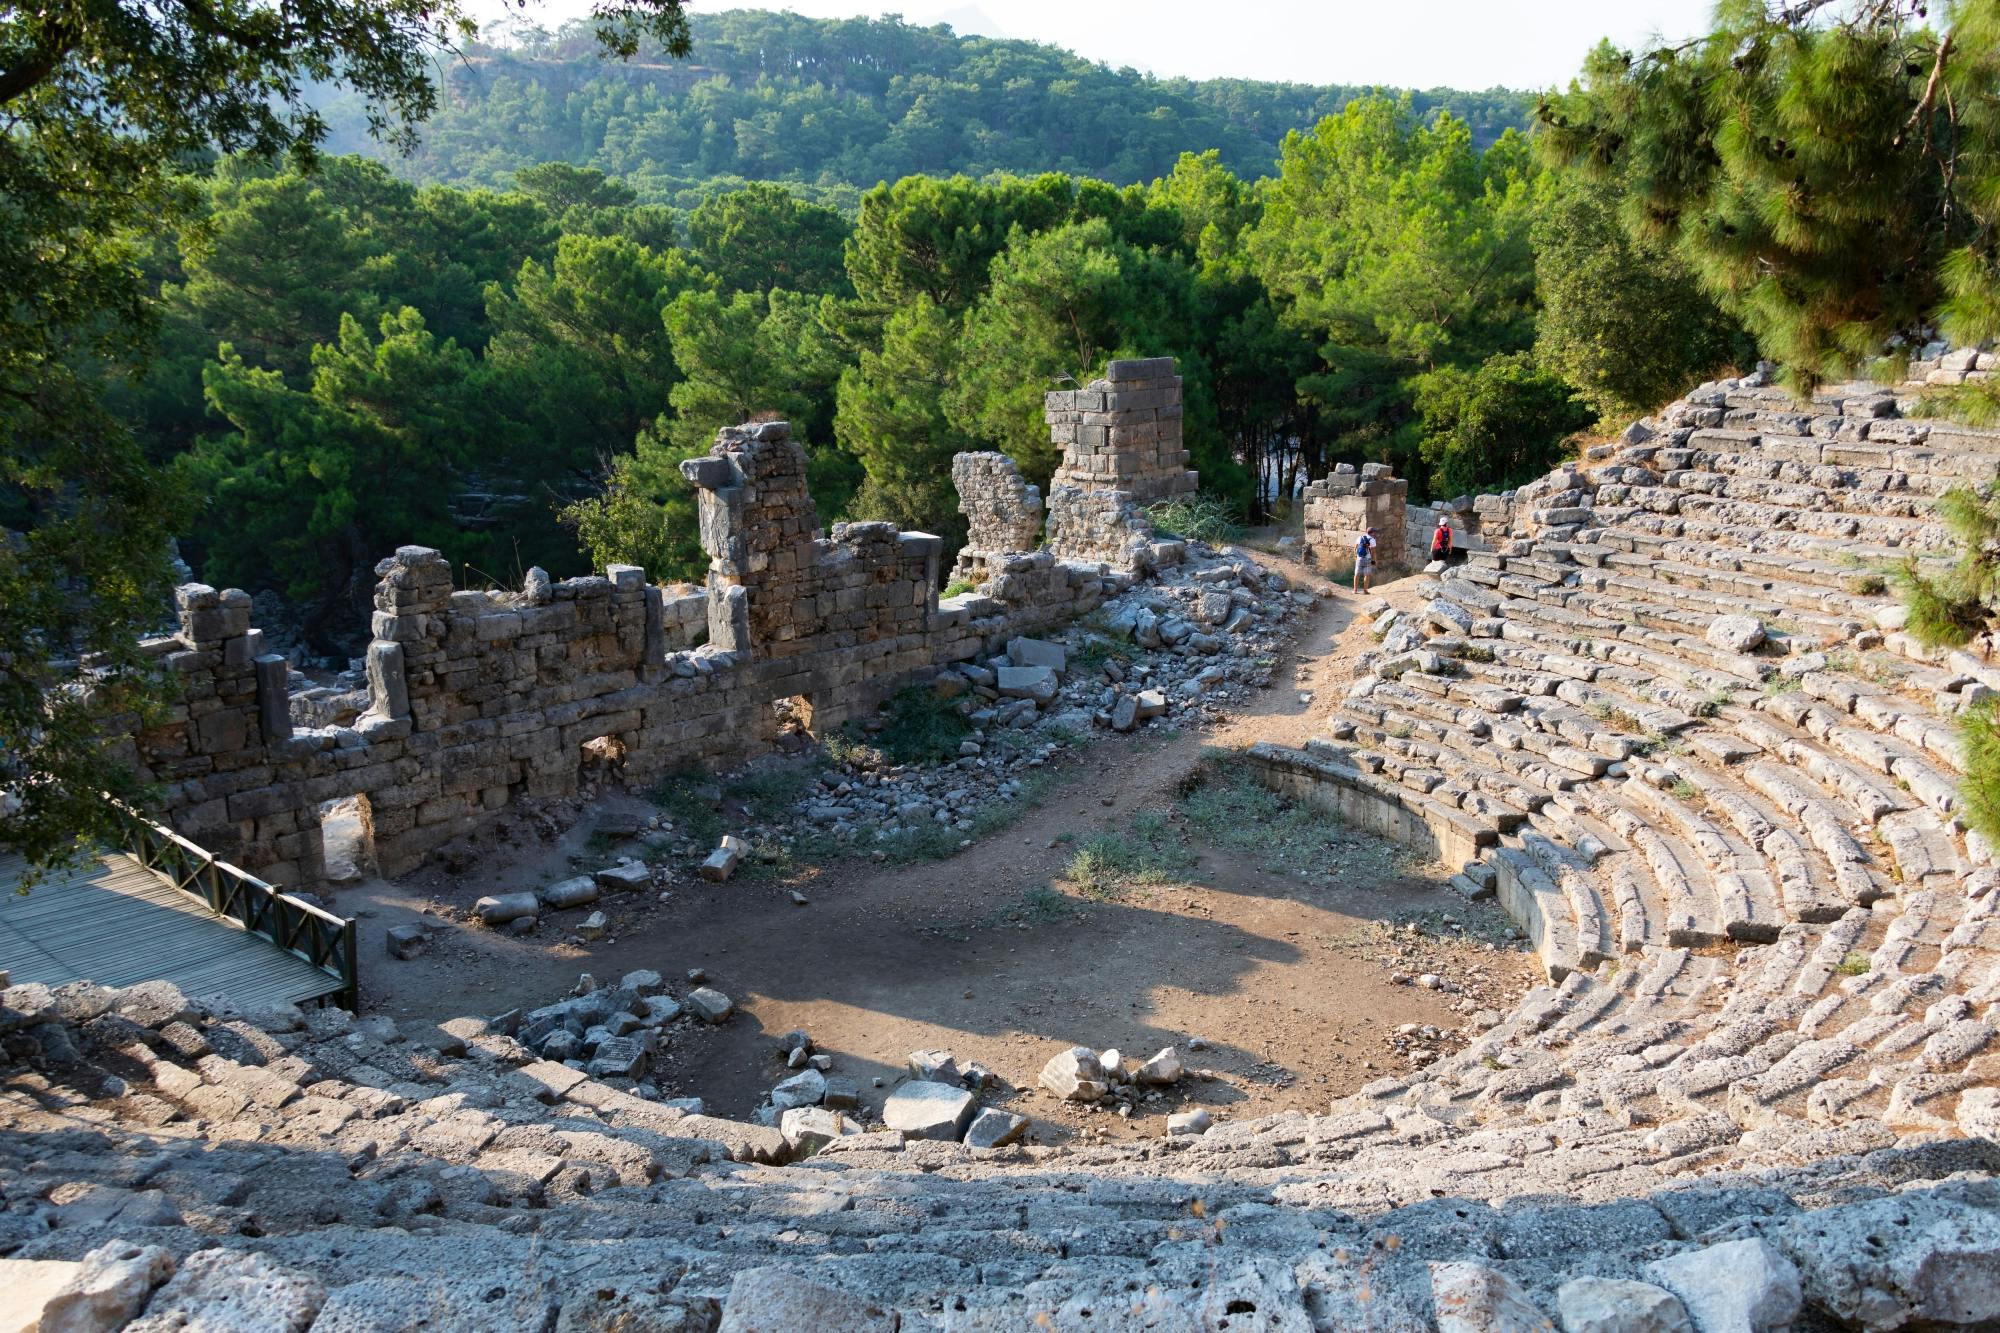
(1287, 980)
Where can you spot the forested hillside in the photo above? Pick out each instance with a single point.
(293, 361)
(841, 104)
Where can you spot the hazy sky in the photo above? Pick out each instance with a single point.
(1407, 43)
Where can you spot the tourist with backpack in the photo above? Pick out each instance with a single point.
(1364, 560)
(1442, 541)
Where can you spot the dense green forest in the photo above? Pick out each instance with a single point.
(346, 360)
(835, 106)
(212, 329)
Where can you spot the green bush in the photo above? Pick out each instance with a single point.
(919, 728)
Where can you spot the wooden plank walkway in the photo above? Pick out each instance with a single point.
(115, 922)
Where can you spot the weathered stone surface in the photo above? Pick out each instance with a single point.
(231, 1291)
(495, 1300)
(109, 1288)
(722, 862)
(1743, 1284)
(1037, 683)
(809, 1128)
(1916, 1260)
(709, 1005)
(933, 1067)
(500, 908)
(806, 1088)
(993, 1127)
(566, 893)
(1472, 1298)
(153, 1004)
(1074, 1075)
(1619, 1305)
(406, 942)
(1736, 634)
(626, 877)
(929, 1110)
(1162, 1067)
(775, 1300)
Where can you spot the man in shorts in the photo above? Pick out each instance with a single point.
(1364, 560)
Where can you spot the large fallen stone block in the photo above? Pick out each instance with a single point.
(805, 1088)
(1163, 1068)
(722, 862)
(929, 1110)
(807, 1129)
(709, 1005)
(993, 1128)
(1034, 683)
(624, 877)
(1744, 1284)
(1037, 652)
(934, 1067)
(1075, 1075)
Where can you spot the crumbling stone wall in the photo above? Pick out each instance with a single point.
(1339, 507)
(1003, 513)
(481, 698)
(1122, 450)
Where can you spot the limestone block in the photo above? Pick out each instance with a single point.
(925, 1110)
(233, 1291)
(805, 1088)
(1075, 1075)
(108, 1289)
(1735, 633)
(994, 1128)
(807, 1129)
(1472, 1298)
(1916, 1260)
(1616, 1305)
(776, 1300)
(709, 1005)
(722, 862)
(1743, 1284)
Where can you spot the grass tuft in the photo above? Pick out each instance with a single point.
(1200, 517)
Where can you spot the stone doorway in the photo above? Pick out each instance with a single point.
(347, 839)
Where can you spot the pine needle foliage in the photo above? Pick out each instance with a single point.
(1830, 169)
(1949, 609)
(1979, 789)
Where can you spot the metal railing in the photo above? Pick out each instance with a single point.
(294, 925)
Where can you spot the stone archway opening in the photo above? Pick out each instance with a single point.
(347, 839)
(789, 727)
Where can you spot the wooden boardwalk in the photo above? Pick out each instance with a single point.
(115, 922)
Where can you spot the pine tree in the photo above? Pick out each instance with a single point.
(1831, 171)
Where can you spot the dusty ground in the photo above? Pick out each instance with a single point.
(1295, 983)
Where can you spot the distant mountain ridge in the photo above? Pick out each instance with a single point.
(835, 105)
